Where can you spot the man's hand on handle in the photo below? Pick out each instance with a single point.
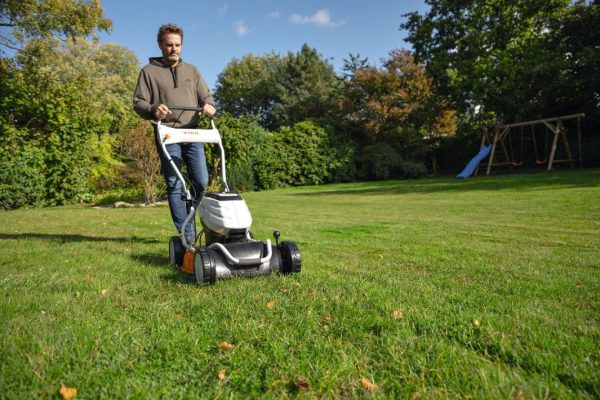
(161, 111)
(209, 110)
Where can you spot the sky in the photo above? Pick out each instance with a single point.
(217, 32)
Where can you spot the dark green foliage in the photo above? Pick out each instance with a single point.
(305, 154)
(519, 60)
(281, 90)
(379, 160)
(307, 87)
(382, 161)
(22, 179)
(244, 141)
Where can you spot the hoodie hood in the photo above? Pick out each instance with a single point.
(159, 62)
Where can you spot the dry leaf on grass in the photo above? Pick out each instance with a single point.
(66, 392)
(301, 383)
(368, 385)
(326, 320)
(225, 346)
(221, 375)
(270, 304)
(398, 314)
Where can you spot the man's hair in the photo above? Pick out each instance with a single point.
(168, 28)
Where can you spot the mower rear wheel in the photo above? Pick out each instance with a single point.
(290, 257)
(176, 251)
(205, 268)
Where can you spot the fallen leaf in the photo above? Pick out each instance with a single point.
(285, 290)
(270, 304)
(326, 320)
(368, 385)
(89, 276)
(225, 346)
(104, 292)
(398, 314)
(66, 392)
(578, 285)
(221, 375)
(301, 383)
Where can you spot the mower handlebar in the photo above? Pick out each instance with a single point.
(198, 109)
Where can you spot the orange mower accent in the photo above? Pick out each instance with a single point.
(188, 262)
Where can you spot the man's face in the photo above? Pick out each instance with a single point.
(171, 47)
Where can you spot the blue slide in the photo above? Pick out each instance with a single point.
(470, 168)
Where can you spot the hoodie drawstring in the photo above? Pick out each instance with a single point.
(174, 73)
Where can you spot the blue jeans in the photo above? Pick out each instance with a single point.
(192, 154)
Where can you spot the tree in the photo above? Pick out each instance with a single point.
(29, 19)
(353, 64)
(247, 86)
(280, 90)
(307, 87)
(67, 99)
(514, 59)
(393, 109)
(398, 97)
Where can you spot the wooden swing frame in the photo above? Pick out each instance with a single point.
(555, 125)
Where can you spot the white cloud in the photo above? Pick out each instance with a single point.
(240, 28)
(274, 14)
(320, 18)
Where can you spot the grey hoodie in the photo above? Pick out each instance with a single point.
(182, 85)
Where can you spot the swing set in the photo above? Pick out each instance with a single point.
(542, 135)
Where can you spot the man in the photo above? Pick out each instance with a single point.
(168, 81)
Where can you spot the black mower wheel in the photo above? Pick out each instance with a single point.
(290, 257)
(205, 268)
(176, 251)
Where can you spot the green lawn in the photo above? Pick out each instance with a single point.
(436, 288)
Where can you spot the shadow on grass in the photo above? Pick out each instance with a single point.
(520, 182)
(157, 260)
(160, 260)
(153, 260)
(71, 238)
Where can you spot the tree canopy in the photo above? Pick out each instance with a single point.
(282, 90)
(29, 19)
(515, 59)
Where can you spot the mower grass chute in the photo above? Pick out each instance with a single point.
(229, 250)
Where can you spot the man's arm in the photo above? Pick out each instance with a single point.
(205, 99)
(142, 97)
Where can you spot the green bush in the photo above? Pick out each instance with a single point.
(241, 178)
(243, 141)
(412, 169)
(22, 181)
(379, 161)
(305, 154)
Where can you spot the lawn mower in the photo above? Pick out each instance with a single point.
(229, 249)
